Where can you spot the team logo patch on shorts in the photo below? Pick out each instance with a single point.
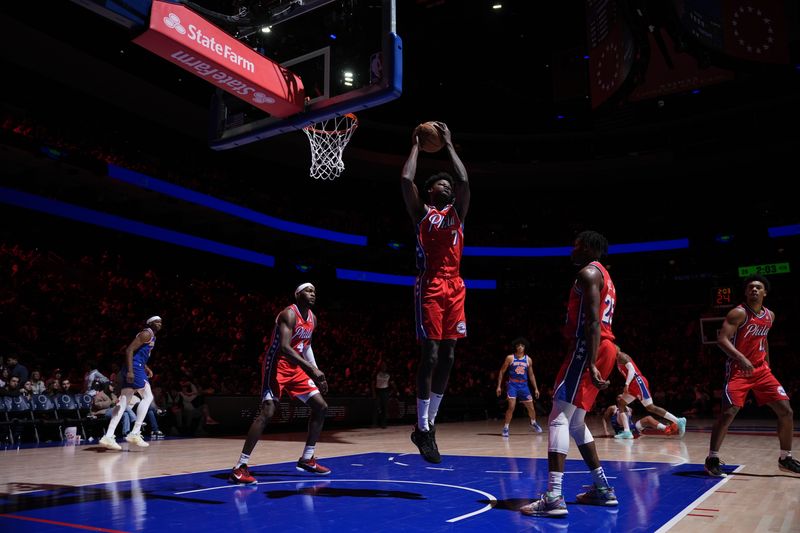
(461, 327)
(782, 391)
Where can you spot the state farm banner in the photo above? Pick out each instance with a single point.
(197, 46)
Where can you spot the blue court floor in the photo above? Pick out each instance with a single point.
(365, 493)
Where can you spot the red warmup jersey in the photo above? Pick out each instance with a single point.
(751, 337)
(440, 241)
(576, 320)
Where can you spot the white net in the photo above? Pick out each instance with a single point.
(328, 139)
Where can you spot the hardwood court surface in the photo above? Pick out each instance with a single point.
(758, 497)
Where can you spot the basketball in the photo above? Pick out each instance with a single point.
(430, 139)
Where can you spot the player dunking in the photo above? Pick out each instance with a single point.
(133, 378)
(288, 364)
(637, 388)
(439, 291)
(585, 370)
(743, 338)
(518, 369)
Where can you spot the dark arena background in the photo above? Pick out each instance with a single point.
(131, 185)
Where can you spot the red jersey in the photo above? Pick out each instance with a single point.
(440, 242)
(608, 300)
(301, 336)
(751, 337)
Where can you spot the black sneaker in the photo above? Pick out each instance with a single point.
(789, 464)
(432, 431)
(426, 445)
(713, 467)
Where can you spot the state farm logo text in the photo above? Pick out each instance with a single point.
(196, 34)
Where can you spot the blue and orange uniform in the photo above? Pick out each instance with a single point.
(140, 358)
(517, 384)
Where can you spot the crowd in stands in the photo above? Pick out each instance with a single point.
(69, 319)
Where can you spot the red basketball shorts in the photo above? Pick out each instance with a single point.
(439, 308)
(574, 381)
(765, 387)
(291, 379)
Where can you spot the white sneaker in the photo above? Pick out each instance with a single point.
(136, 438)
(109, 442)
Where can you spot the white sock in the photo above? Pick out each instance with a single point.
(308, 452)
(433, 409)
(785, 454)
(243, 459)
(639, 425)
(625, 422)
(599, 477)
(669, 416)
(712, 453)
(554, 483)
(505, 426)
(422, 414)
(661, 427)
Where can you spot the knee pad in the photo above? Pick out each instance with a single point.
(578, 430)
(558, 439)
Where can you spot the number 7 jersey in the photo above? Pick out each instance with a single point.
(440, 242)
(576, 320)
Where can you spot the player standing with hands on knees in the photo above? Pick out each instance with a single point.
(585, 370)
(288, 364)
(439, 291)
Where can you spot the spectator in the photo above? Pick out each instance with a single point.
(27, 390)
(12, 389)
(92, 375)
(16, 369)
(53, 387)
(38, 385)
(191, 404)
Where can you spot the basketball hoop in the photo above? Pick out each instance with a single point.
(328, 139)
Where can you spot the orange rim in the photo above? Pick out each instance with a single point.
(351, 116)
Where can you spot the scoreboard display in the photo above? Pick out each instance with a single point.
(764, 270)
(722, 296)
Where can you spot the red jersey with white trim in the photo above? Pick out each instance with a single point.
(440, 243)
(576, 321)
(751, 337)
(301, 336)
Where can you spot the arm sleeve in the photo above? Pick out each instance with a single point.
(308, 354)
(631, 373)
